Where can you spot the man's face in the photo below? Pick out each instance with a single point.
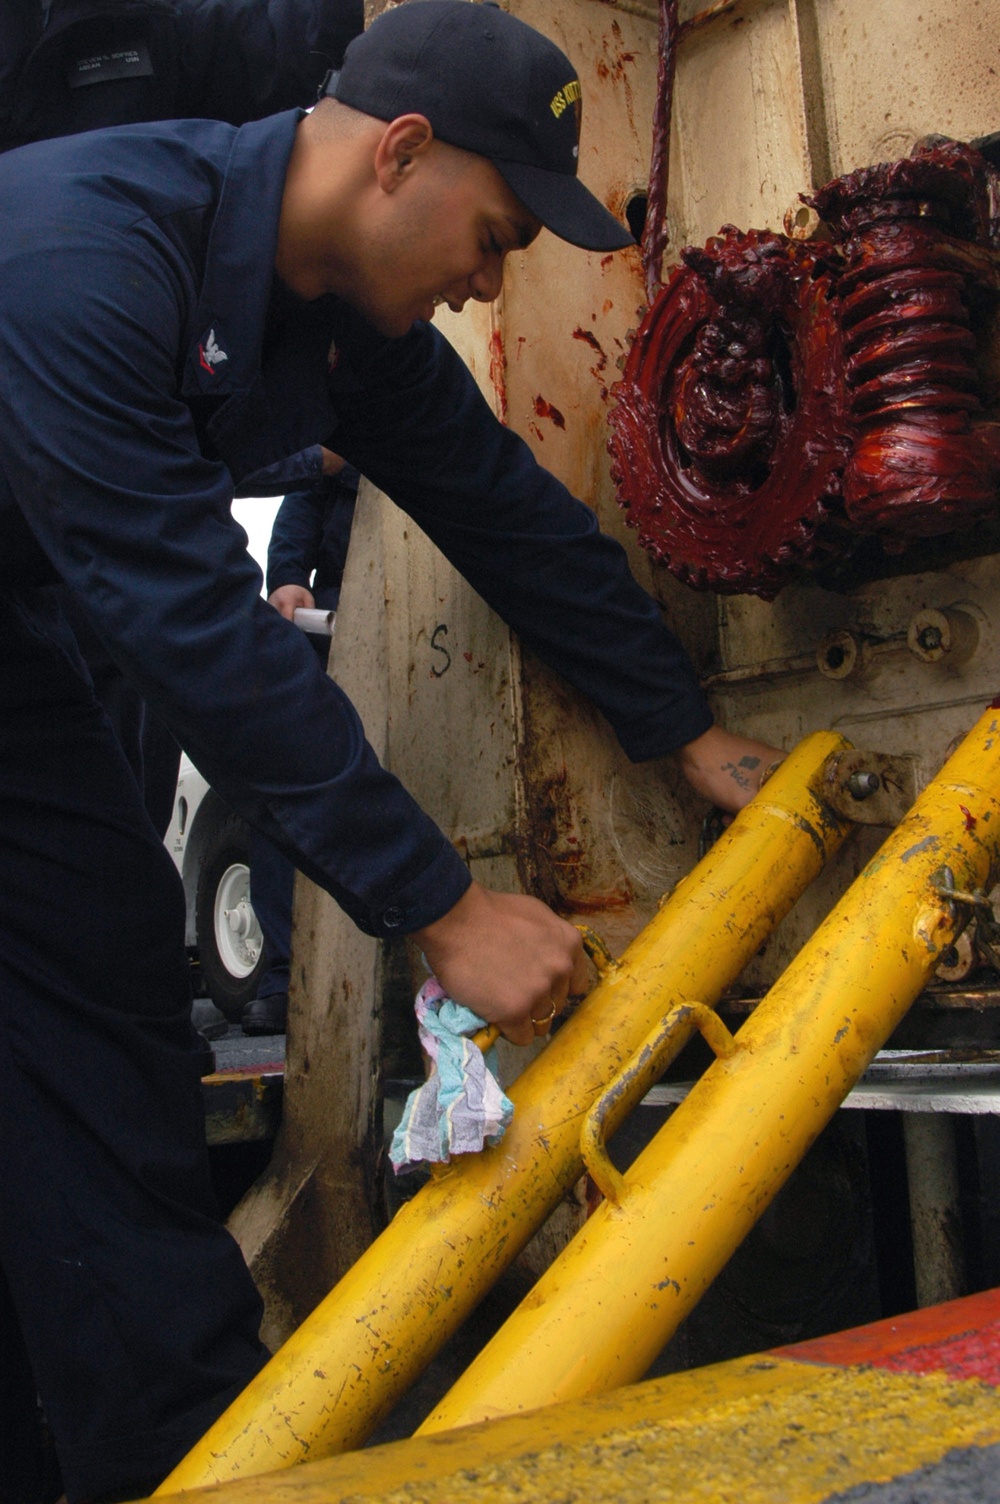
(443, 237)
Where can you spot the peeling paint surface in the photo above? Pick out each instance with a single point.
(795, 1426)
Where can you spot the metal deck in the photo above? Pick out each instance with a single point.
(905, 1411)
(243, 1094)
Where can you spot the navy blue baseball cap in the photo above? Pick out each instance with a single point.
(492, 85)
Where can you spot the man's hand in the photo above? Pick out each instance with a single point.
(725, 768)
(508, 958)
(288, 598)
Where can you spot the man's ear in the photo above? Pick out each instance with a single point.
(404, 141)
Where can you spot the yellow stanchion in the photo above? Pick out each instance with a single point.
(603, 1310)
(349, 1362)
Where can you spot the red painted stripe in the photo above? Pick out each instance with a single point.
(961, 1337)
(975, 1355)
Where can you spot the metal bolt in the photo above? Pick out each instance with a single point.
(930, 638)
(863, 785)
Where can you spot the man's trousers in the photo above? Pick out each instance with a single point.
(139, 1316)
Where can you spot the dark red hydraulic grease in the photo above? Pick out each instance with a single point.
(600, 364)
(919, 253)
(656, 231)
(548, 410)
(727, 439)
(780, 402)
(591, 339)
(498, 373)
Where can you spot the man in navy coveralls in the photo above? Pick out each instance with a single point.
(180, 306)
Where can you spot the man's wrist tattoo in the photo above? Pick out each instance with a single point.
(736, 775)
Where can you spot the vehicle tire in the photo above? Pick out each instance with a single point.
(228, 934)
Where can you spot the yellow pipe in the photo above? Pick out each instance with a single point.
(603, 1310)
(349, 1362)
(755, 1430)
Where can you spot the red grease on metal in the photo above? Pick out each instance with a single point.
(546, 410)
(920, 257)
(498, 373)
(781, 402)
(617, 68)
(728, 439)
(594, 343)
(656, 231)
(961, 1338)
(597, 368)
(968, 818)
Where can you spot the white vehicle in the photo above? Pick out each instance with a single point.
(211, 849)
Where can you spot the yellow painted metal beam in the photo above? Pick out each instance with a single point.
(603, 1310)
(331, 1383)
(765, 1429)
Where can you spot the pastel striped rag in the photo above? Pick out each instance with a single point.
(460, 1106)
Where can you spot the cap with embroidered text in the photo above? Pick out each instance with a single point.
(490, 84)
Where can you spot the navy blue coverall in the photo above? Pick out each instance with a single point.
(76, 65)
(308, 547)
(310, 535)
(79, 65)
(149, 359)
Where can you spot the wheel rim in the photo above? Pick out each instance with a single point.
(238, 937)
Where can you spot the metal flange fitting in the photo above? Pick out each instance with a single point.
(870, 788)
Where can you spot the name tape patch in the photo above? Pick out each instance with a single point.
(105, 67)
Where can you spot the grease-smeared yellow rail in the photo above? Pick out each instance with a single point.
(349, 1362)
(605, 1307)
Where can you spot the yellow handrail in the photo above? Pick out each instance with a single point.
(603, 1310)
(349, 1362)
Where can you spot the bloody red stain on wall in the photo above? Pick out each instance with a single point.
(498, 373)
(548, 410)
